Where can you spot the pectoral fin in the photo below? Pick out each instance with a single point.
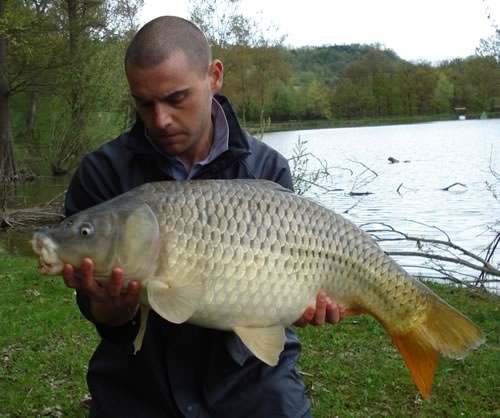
(265, 343)
(175, 304)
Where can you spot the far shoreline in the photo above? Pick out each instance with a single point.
(270, 127)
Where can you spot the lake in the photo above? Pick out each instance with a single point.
(407, 195)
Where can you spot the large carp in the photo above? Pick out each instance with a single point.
(249, 256)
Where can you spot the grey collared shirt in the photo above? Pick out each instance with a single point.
(220, 144)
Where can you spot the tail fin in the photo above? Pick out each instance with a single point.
(444, 330)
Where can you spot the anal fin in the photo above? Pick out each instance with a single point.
(265, 343)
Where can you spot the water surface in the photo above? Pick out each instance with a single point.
(408, 194)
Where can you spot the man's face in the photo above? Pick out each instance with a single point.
(174, 102)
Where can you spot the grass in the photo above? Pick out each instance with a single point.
(351, 370)
(45, 344)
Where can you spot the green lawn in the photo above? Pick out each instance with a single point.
(351, 370)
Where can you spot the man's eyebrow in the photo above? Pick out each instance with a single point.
(168, 96)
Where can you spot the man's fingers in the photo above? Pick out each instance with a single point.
(131, 296)
(112, 294)
(115, 285)
(69, 277)
(320, 314)
(326, 310)
(332, 312)
(88, 283)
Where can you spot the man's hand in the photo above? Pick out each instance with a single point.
(109, 304)
(325, 311)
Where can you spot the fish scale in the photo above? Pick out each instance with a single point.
(249, 256)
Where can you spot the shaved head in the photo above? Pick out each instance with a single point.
(157, 40)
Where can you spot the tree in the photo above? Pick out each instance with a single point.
(476, 82)
(94, 52)
(490, 47)
(442, 95)
(68, 55)
(225, 26)
(318, 101)
(268, 65)
(7, 161)
(287, 101)
(252, 60)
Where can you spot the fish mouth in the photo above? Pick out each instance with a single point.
(48, 261)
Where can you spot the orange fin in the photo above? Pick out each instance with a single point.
(444, 331)
(448, 331)
(420, 358)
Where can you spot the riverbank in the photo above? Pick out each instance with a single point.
(255, 128)
(351, 369)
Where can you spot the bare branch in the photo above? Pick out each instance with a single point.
(453, 185)
(438, 251)
(362, 180)
(487, 268)
(365, 166)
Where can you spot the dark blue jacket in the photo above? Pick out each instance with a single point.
(182, 370)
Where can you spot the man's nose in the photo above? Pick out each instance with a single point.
(163, 116)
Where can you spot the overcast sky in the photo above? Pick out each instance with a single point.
(429, 30)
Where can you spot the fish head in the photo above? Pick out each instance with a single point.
(114, 234)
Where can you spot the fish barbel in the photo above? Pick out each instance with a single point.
(249, 256)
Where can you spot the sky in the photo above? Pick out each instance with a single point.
(417, 30)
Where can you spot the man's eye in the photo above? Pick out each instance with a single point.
(143, 105)
(176, 98)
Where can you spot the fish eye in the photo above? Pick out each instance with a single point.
(86, 230)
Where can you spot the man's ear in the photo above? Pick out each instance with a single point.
(216, 74)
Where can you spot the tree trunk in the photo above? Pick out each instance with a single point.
(72, 142)
(7, 162)
(30, 120)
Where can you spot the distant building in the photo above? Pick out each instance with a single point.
(461, 112)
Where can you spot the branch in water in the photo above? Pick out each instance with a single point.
(427, 248)
(453, 185)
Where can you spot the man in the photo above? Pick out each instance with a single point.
(184, 130)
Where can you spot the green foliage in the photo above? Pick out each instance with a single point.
(66, 71)
(356, 81)
(327, 62)
(68, 93)
(318, 101)
(490, 47)
(443, 95)
(250, 76)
